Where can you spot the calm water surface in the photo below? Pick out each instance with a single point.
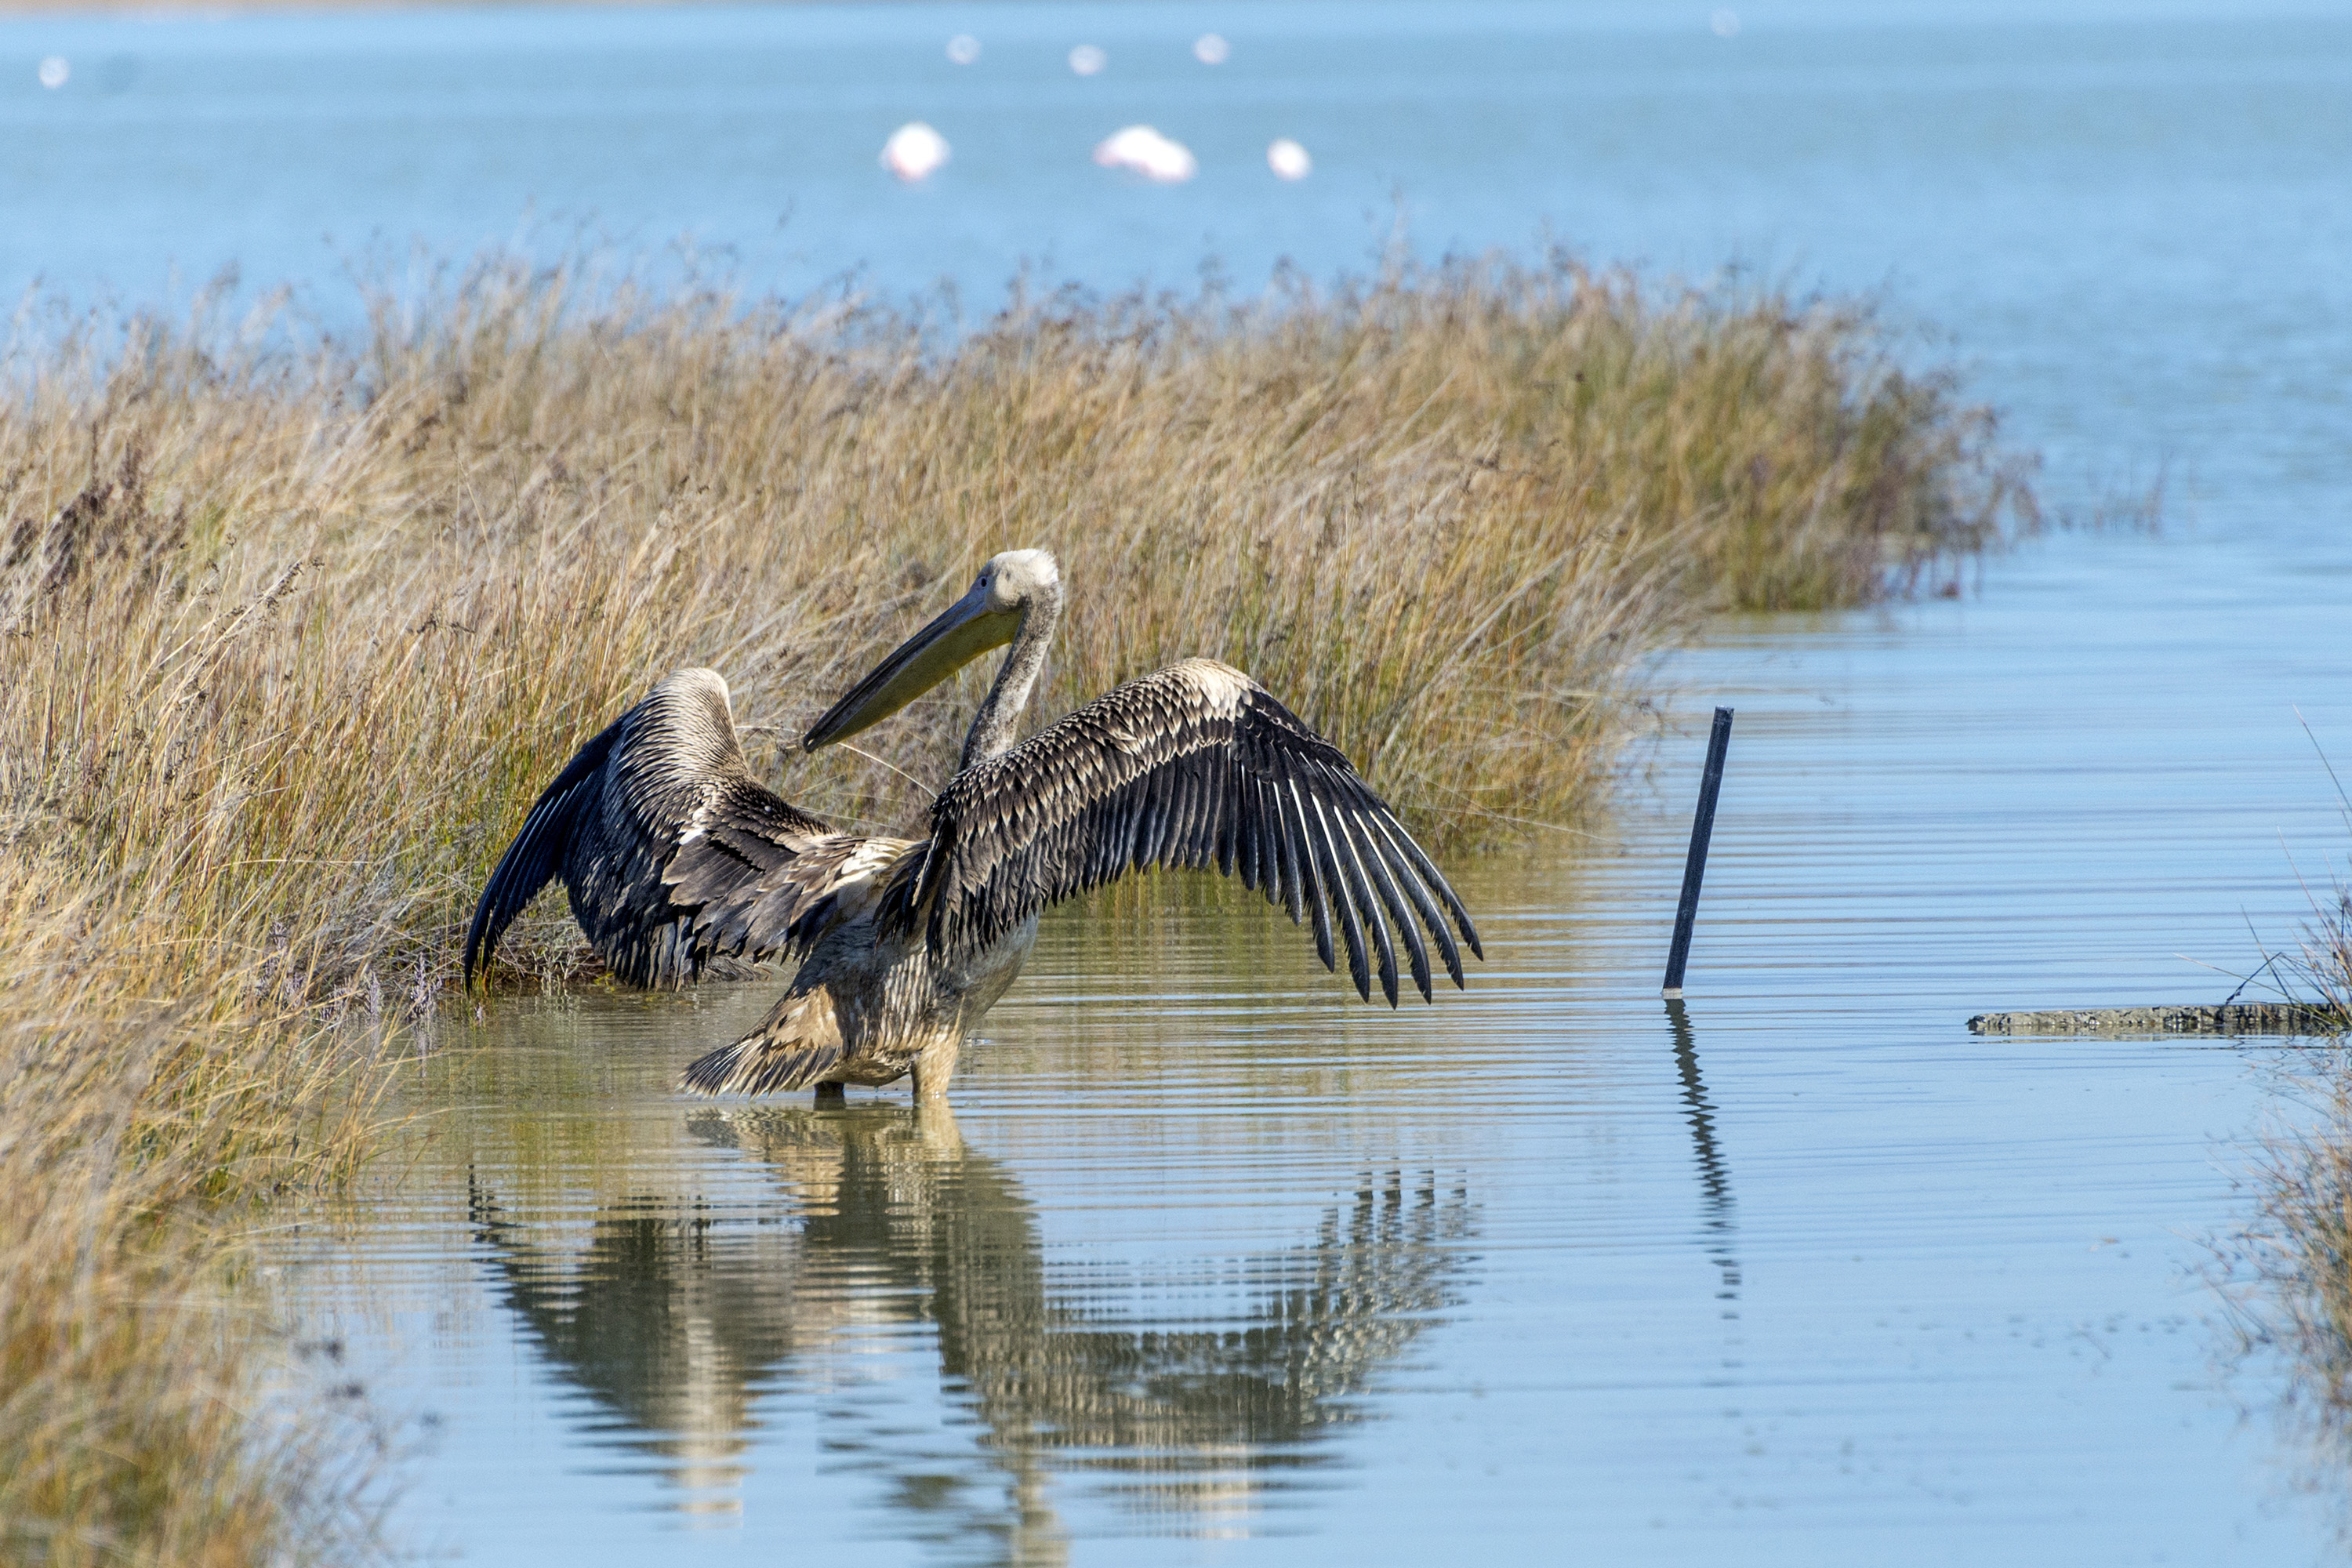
(1212, 1263)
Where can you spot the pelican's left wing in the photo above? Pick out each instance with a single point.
(671, 852)
(1196, 767)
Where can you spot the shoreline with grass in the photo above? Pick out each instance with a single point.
(294, 634)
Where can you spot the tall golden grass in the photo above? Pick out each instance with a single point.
(290, 638)
(147, 1083)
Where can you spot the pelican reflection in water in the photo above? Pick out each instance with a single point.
(675, 856)
(677, 1316)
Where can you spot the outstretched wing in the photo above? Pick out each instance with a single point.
(1196, 767)
(671, 851)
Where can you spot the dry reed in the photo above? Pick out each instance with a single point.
(144, 1089)
(2287, 1272)
(2323, 968)
(2326, 963)
(292, 638)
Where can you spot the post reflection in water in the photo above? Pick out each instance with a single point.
(677, 1317)
(1714, 1176)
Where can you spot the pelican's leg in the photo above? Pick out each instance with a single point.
(934, 1068)
(831, 1096)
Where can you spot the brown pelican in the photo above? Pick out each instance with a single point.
(674, 856)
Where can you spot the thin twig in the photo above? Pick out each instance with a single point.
(927, 789)
(2345, 799)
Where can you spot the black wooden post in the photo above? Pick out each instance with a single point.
(1702, 828)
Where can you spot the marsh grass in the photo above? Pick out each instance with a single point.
(143, 1418)
(292, 636)
(2287, 1273)
(2327, 962)
(2317, 971)
(2323, 965)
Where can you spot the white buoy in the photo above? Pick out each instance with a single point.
(54, 71)
(1288, 159)
(963, 48)
(915, 151)
(1143, 151)
(1088, 60)
(1211, 50)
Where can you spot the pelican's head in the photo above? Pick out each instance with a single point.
(988, 616)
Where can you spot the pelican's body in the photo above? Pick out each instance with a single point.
(675, 856)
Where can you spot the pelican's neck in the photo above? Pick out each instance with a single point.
(992, 727)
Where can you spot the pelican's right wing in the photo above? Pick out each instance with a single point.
(672, 853)
(1195, 766)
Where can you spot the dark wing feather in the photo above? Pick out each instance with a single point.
(537, 852)
(671, 852)
(1197, 767)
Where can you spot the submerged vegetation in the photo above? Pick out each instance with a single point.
(292, 636)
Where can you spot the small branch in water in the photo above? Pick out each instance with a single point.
(2243, 980)
(2346, 799)
(2269, 958)
(2250, 979)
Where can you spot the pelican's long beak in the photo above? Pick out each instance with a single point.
(969, 627)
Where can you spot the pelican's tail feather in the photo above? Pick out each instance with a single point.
(751, 1066)
(798, 1046)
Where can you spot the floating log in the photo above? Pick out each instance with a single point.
(2181, 1018)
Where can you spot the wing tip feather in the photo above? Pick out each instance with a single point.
(1280, 807)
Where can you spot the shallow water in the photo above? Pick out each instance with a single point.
(1213, 1263)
